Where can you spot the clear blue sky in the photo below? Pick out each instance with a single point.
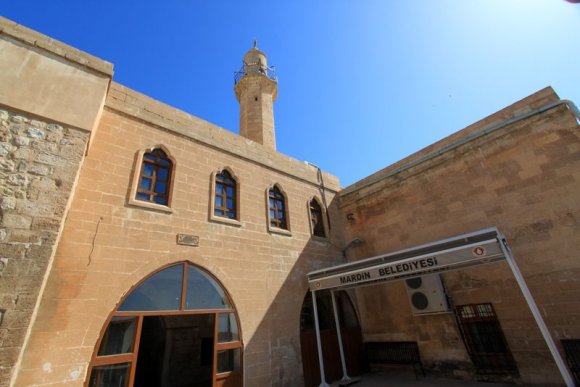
(362, 83)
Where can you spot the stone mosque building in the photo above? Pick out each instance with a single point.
(143, 246)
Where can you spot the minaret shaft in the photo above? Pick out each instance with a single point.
(256, 92)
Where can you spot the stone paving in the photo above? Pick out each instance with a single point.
(405, 378)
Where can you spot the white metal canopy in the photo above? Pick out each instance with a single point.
(460, 252)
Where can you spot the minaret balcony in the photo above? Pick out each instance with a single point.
(255, 68)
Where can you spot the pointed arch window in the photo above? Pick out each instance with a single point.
(277, 210)
(175, 326)
(154, 178)
(152, 181)
(316, 219)
(225, 200)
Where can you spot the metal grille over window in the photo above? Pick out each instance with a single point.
(225, 196)
(155, 178)
(485, 340)
(277, 209)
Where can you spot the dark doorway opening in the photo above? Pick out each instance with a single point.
(176, 351)
(351, 337)
(175, 328)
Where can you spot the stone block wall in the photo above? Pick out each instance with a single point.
(39, 161)
(523, 179)
(109, 244)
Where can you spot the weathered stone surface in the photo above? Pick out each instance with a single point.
(45, 146)
(50, 159)
(12, 251)
(14, 221)
(20, 119)
(17, 128)
(17, 179)
(54, 128)
(5, 149)
(7, 203)
(31, 207)
(35, 208)
(6, 165)
(24, 236)
(5, 134)
(37, 124)
(54, 136)
(45, 223)
(21, 141)
(41, 170)
(23, 154)
(22, 166)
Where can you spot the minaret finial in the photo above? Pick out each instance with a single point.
(256, 43)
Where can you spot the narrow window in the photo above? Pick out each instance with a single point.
(225, 196)
(155, 177)
(484, 340)
(316, 222)
(277, 207)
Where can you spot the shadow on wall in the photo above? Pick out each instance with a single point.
(273, 354)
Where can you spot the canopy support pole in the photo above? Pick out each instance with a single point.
(537, 315)
(345, 377)
(318, 343)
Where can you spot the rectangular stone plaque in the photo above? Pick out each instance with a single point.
(187, 240)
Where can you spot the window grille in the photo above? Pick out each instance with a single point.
(484, 340)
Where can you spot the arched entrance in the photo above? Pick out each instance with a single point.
(176, 328)
(351, 336)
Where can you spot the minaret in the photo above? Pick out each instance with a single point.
(256, 90)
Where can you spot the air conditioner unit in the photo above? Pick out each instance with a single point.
(426, 294)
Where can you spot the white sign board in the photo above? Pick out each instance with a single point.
(467, 255)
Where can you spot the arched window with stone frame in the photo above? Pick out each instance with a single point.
(316, 216)
(277, 210)
(225, 197)
(153, 177)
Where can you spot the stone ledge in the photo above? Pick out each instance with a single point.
(134, 104)
(525, 105)
(36, 39)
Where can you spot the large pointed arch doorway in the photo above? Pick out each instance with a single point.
(176, 328)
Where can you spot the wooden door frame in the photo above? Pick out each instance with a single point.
(132, 358)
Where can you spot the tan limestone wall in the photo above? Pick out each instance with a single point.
(525, 180)
(39, 161)
(50, 79)
(141, 107)
(107, 246)
(51, 95)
